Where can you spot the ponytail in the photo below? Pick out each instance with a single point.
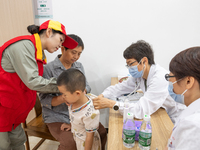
(33, 29)
(36, 29)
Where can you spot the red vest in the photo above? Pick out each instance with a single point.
(16, 99)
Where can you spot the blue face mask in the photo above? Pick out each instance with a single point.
(177, 97)
(133, 70)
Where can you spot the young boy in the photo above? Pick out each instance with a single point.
(84, 118)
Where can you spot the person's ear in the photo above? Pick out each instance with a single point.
(49, 32)
(62, 49)
(189, 82)
(145, 61)
(78, 92)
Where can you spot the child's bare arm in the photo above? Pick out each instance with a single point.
(89, 140)
(65, 127)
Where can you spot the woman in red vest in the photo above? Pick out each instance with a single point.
(21, 69)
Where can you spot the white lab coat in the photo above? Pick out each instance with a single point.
(186, 131)
(155, 96)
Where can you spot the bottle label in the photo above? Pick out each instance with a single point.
(145, 139)
(129, 136)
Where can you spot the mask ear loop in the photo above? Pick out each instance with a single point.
(177, 81)
(139, 62)
(143, 70)
(143, 67)
(174, 82)
(184, 92)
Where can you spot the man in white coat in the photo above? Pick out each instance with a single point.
(147, 76)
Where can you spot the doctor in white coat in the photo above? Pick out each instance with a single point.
(184, 79)
(147, 76)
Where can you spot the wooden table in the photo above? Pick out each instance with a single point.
(161, 129)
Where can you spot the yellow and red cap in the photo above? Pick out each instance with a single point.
(69, 42)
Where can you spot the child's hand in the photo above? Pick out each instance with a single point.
(65, 127)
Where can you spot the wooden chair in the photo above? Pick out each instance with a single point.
(36, 127)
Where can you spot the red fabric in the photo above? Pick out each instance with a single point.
(44, 25)
(16, 99)
(69, 42)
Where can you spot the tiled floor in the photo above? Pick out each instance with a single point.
(47, 145)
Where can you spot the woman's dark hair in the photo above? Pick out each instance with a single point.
(35, 29)
(77, 39)
(73, 79)
(186, 63)
(139, 50)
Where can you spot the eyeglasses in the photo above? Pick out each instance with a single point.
(167, 76)
(130, 64)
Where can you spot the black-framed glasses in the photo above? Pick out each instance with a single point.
(130, 64)
(167, 76)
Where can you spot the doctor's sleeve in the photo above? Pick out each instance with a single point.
(154, 97)
(121, 88)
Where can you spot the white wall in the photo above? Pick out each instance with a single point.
(107, 27)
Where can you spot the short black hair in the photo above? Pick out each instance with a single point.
(186, 63)
(77, 39)
(139, 50)
(73, 79)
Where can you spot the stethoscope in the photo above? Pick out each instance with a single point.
(136, 88)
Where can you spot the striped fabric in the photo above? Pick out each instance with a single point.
(92, 130)
(82, 107)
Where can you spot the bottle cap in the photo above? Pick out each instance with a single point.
(129, 115)
(147, 117)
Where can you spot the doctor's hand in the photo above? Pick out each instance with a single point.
(101, 102)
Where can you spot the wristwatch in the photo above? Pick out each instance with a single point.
(116, 106)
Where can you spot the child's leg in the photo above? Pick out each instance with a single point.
(65, 138)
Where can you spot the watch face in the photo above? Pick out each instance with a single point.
(116, 107)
